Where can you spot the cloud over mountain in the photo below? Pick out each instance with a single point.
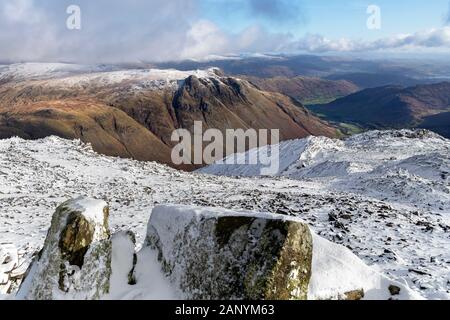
(158, 30)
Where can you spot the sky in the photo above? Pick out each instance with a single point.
(159, 30)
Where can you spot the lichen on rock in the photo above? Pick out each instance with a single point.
(219, 254)
(75, 261)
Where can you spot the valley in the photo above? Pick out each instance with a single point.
(422, 106)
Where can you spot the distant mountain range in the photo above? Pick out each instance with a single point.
(316, 80)
(364, 73)
(131, 110)
(425, 106)
(132, 113)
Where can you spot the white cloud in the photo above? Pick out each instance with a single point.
(174, 31)
(204, 38)
(21, 11)
(432, 38)
(24, 31)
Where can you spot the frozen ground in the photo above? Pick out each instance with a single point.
(389, 205)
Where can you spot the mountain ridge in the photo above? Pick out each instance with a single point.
(132, 113)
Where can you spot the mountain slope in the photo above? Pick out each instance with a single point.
(132, 113)
(304, 89)
(389, 107)
(384, 164)
(109, 130)
(373, 80)
(439, 123)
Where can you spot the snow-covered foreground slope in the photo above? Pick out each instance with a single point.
(403, 238)
(410, 167)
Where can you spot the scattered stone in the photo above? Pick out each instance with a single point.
(354, 295)
(394, 290)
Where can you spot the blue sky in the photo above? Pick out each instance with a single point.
(332, 18)
(158, 30)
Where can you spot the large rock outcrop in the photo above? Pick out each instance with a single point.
(75, 262)
(215, 254)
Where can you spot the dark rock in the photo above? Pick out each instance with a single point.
(394, 290)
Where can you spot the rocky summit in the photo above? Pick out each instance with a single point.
(383, 196)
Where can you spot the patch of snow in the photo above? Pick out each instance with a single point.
(90, 208)
(85, 76)
(140, 79)
(35, 71)
(335, 270)
(150, 281)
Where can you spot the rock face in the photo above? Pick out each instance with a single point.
(75, 262)
(215, 254)
(230, 103)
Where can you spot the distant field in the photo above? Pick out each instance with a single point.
(319, 100)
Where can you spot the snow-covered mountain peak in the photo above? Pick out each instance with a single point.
(39, 71)
(73, 75)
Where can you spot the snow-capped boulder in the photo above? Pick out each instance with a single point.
(212, 253)
(219, 254)
(192, 253)
(75, 262)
